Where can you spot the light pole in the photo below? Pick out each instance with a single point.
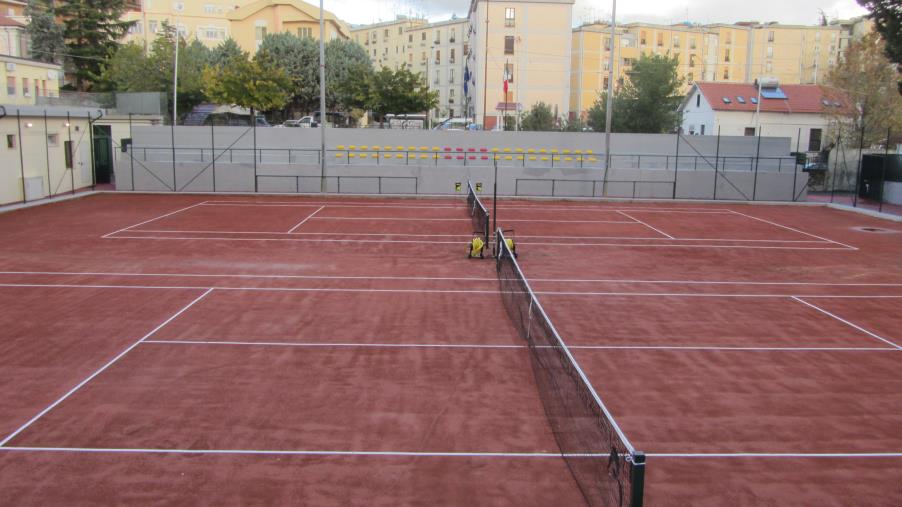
(610, 100)
(322, 98)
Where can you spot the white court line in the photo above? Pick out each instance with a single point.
(846, 322)
(153, 219)
(625, 238)
(490, 346)
(340, 345)
(794, 230)
(305, 220)
(777, 455)
(451, 206)
(303, 452)
(441, 291)
(557, 244)
(492, 278)
(101, 369)
(646, 225)
(419, 219)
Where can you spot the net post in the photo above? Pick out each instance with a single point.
(637, 479)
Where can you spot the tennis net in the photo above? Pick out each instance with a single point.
(606, 467)
(478, 212)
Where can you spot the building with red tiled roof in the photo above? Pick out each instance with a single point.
(801, 112)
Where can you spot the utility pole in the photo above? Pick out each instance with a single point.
(175, 73)
(322, 97)
(485, 70)
(610, 100)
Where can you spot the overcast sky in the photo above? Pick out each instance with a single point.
(658, 11)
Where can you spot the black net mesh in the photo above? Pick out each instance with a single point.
(479, 213)
(605, 466)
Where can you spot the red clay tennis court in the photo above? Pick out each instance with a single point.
(343, 350)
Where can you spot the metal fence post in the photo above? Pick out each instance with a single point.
(860, 155)
(254, 126)
(836, 165)
(676, 165)
(213, 151)
(172, 135)
(889, 132)
(716, 162)
(757, 159)
(91, 145)
(47, 152)
(71, 151)
(131, 150)
(21, 155)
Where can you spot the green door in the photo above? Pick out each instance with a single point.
(103, 154)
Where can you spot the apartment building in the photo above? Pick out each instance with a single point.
(12, 8)
(737, 53)
(388, 43)
(526, 43)
(438, 51)
(25, 80)
(213, 21)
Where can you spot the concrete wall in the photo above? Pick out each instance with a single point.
(287, 160)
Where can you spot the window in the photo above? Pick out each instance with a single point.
(451, 58)
(729, 40)
(726, 100)
(451, 38)
(438, 36)
(770, 51)
(660, 40)
(410, 38)
(11, 141)
(754, 100)
(698, 100)
(769, 67)
(136, 28)
(770, 36)
(690, 77)
(259, 33)
(509, 72)
(373, 35)
(67, 150)
(152, 26)
(508, 44)
(628, 62)
(750, 131)
(178, 6)
(692, 43)
(25, 91)
(814, 140)
(607, 43)
(676, 41)
(438, 56)
(451, 92)
(37, 88)
(451, 79)
(509, 15)
(726, 56)
(703, 129)
(451, 112)
(385, 33)
(606, 82)
(726, 73)
(437, 76)
(53, 140)
(692, 60)
(423, 36)
(209, 9)
(740, 99)
(305, 32)
(400, 30)
(423, 57)
(11, 86)
(642, 38)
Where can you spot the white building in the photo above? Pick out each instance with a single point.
(802, 113)
(438, 50)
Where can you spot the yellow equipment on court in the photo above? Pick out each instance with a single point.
(511, 246)
(477, 248)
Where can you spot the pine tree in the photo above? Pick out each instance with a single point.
(46, 35)
(92, 30)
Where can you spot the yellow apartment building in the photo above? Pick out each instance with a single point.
(388, 43)
(25, 80)
(526, 42)
(737, 53)
(246, 21)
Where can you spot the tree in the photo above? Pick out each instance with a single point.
(651, 96)
(299, 57)
(348, 73)
(538, 118)
(129, 71)
(399, 91)
(887, 16)
(92, 30)
(255, 84)
(868, 80)
(596, 114)
(226, 51)
(47, 44)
